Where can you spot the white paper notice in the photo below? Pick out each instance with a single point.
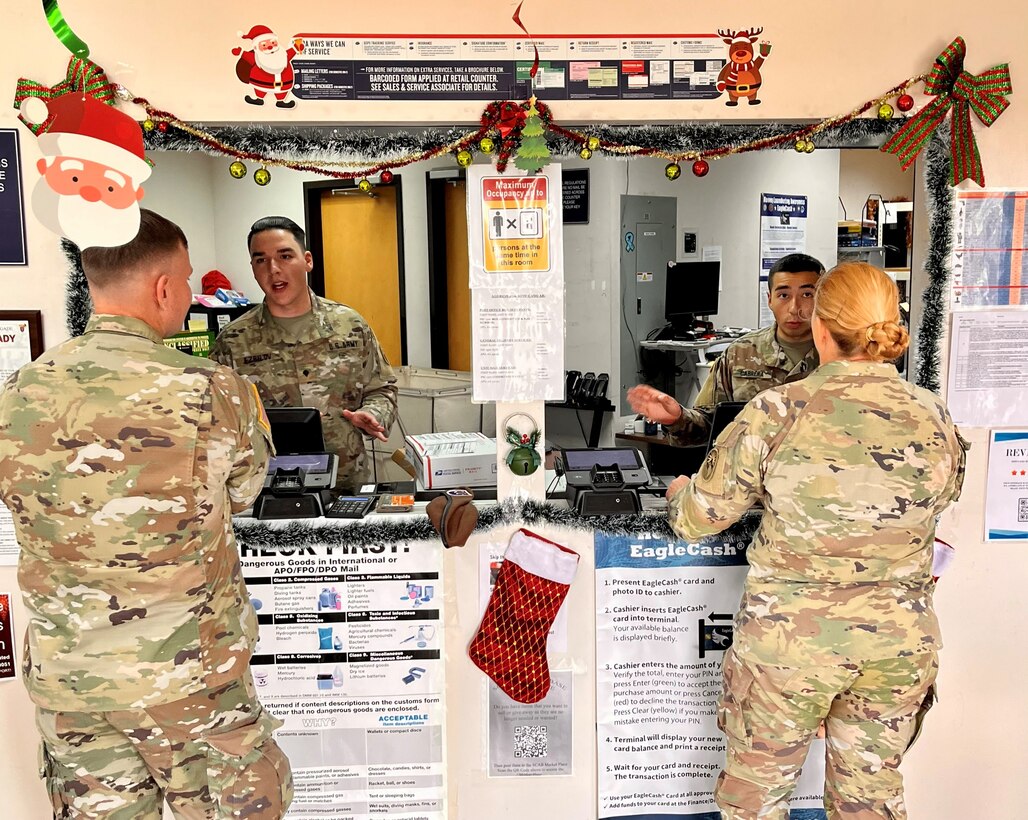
(1006, 499)
(15, 347)
(988, 368)
(518, 344)
(664, 612)
(8, 541)
(783, 230)
(531, 739)
(350, 657)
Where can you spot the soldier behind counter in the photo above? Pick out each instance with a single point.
(304, 351)
(122, 460)
(781, 353)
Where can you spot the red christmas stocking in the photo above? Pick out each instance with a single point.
(510, 646)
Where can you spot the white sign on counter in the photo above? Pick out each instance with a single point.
(664, 612)
(350, 657)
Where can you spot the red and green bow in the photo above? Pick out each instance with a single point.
(963, 92)
(83, 75)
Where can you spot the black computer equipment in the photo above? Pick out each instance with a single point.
(604, 481)
(724, 414)
(296, 430)
(691, 290)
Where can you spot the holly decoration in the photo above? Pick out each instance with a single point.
(533, 154)
(237, 169)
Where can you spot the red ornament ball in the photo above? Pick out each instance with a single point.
(905, 102)
(700, 167)
(162, 127)
(386, 177)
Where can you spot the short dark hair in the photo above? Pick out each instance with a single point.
(275, 223)
(157, 239)
(794, 263)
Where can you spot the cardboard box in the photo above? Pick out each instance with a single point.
(447, 460)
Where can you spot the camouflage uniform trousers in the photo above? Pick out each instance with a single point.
(872, 713)
(210, 755)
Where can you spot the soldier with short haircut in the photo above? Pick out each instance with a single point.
(304, 351)
(779, 354)
(122, 461)
(852, 465)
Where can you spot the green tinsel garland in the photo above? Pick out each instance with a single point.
(328, 144)
(77, 304)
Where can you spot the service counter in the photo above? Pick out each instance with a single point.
(364, 633)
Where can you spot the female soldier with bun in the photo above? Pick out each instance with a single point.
(852, 466)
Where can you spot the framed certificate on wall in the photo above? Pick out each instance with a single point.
(21, 339)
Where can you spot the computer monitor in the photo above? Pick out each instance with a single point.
(691, 290)
(296, 430)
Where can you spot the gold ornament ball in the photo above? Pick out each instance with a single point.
(364, 185)
(800, 146)
(593, 143)
(885, 111)
(672, 170)
(149, 125)
(262, 176)
(585, 153)
(464, 158)
(486, 145)
(809, 147)
(237, 170)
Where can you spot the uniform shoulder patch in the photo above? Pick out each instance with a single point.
(262, 417)
(709, 464)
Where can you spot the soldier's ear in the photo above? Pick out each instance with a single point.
(309, 260)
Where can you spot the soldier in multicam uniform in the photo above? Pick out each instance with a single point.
(122, 460)
(781, 353)
(304, 351)
(852, 465)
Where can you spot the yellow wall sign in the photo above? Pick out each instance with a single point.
(515, 224)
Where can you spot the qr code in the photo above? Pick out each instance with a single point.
(530, 741)
(1022, 509)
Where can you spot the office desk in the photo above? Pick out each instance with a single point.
(670, 348)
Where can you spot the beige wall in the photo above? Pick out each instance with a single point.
(827, 58)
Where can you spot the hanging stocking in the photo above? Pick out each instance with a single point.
(510, 646)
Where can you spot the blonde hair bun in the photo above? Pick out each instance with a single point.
(886, 340)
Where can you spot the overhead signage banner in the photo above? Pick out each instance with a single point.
(462, 67)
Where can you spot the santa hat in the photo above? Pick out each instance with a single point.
(86, 128)
(214, 279)
(256, 34)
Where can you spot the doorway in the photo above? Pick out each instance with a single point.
(449, 293)
(356, 239)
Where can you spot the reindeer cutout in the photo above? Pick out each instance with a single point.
(741, 75)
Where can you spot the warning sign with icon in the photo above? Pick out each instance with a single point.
(514, 222)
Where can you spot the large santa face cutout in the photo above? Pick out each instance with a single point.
(91, 173)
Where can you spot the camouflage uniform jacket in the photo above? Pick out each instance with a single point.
(852, 465)
(122, 461)
(336, 365)
(750, 365)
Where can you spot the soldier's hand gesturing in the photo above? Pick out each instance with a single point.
(363, 420)
(654, 405)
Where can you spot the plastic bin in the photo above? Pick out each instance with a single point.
(431, 401)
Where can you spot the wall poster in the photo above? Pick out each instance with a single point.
(350, 657)
(1006, 496)
(783, 230)
(990, 248)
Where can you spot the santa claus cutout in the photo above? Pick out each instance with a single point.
(91, 172)
(266, 66)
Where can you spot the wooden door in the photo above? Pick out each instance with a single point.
(458, 294)
(361, 260)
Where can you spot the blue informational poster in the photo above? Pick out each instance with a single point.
(13, 247)
(664, 612)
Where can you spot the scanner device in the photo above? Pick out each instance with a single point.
(604, 481)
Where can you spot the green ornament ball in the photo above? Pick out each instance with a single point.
(237, 170)
(149, 125)
(885, 111)
(523, 460)
(262, 176)
(364, 185)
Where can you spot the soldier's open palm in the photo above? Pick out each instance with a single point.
(654, 405)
